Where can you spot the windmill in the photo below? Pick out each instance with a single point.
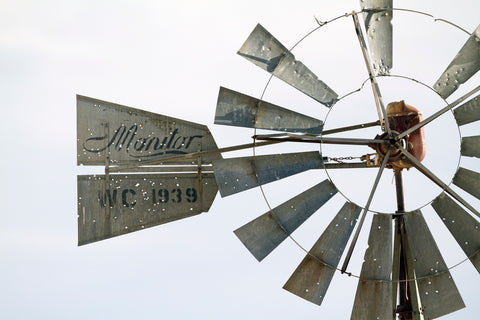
(181, 169)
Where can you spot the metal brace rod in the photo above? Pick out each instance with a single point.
(436, 114)
(382, 113)
(349, 128)
(190, 156)
(365, 210)
(420, 167)
(319, 139)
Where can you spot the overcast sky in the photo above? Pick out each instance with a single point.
(170, 57)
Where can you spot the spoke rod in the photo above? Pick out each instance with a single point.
(346, 165)
(355, 127)
(437, 114)
(382, 113)
(365, 210)
(314, 139)
(420, 167)
(193, 155)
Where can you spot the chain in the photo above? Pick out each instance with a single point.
(340, 159)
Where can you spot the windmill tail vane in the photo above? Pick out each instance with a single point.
(160, 169)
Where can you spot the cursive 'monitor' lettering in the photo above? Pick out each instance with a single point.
(127, 140)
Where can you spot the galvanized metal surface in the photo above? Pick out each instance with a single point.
(262, 235)
(163, 169)
(111, 134)
(373, 299)
(382, 114)
(268, 53)
(468, 180)
(437, 291)
(465, 64)
(239, 174)
(192, 157)
(464, 228)
(312, 277)
(237, 109)
(468, 112)
(378, 24)
(128, 203)
(471, 146)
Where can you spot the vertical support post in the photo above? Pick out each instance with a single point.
(400, 267)
(400, 191)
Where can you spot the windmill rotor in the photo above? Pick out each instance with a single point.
(403, 273)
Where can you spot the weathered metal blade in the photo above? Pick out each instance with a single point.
(468, 180)
(378, 24)
(237, 109)
(262, 235)
(471, 146)
(268, 53)
(465, 64)
(437, 290)
(312, 277)
(111, 134)
(373, 299)
(128, 203)
(464, 228)
(239, 174)
(468, 112)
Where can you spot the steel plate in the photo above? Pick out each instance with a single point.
(465, 64)
(128, 203)
(268, 53)
(464, 228)
(262, 235)
(312, 277)
(239, 174)
(237, 109)
(373, 299)
(437, 290)
(111, 134)
(378, 24)
(468, 112)
(468, 180)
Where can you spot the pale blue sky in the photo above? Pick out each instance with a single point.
(170, 57)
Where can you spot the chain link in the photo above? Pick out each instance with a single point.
(340, 159)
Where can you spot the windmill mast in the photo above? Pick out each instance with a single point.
(401, 270)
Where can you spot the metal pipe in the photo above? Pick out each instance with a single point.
(355, 127)
(314, 139)
(400, 191)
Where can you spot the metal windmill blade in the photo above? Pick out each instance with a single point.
(436, 289)
(465, 64)
(262, 235)
(468, 112)
(312, 277)
(464, 228)
(239, 174)
(237, 109)
(468, 180)
(378, 24)
(262, 49)
(373, 299)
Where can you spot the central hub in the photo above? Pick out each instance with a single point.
(401, 117)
